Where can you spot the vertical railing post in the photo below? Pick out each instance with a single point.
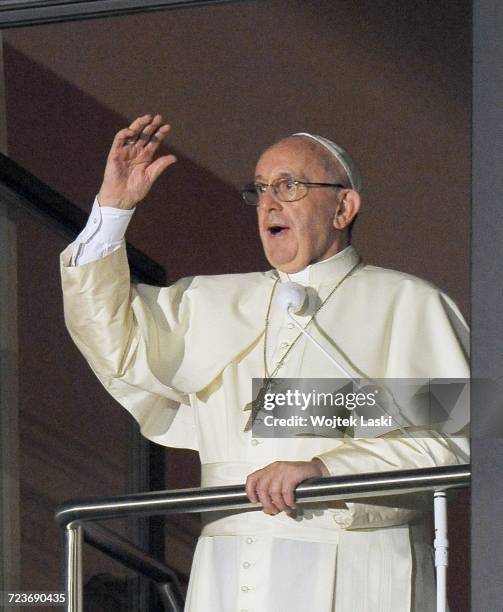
(74, 541)
(441, 545)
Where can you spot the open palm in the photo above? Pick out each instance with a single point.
(131, 167)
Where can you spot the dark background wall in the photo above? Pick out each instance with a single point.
(389, 80)
(72, 438)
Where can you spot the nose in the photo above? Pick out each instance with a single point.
(268, 201)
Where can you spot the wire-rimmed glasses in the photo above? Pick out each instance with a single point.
(284, 189)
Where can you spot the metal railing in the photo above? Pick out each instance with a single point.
(120, 549)
(76, 516)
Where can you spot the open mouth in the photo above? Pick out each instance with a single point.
(277, 230)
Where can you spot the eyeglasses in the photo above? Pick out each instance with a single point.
(284, 189)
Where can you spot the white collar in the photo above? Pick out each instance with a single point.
(329, 270)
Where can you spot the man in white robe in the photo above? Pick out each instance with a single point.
(181, 360)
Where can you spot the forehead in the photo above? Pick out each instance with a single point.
(291, 156)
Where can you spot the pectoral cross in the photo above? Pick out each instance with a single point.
(257, 404)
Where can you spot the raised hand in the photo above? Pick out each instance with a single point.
(131, 167)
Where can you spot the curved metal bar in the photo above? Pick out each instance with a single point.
(124, 551)
(234, 497)
(121, 549)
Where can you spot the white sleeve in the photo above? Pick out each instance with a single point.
(103, 233)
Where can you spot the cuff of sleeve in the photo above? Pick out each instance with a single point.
(376, 455)
(104, 232)
(105, 224)
(366, 516)
(113, 222)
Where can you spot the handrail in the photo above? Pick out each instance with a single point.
(74, 516)
(234, 497)
(121, 549)
(129, 555)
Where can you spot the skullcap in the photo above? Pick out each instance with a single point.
(342, 156)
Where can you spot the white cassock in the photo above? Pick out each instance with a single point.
(181, 360)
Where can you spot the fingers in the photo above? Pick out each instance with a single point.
(122, 138)
(157, 168)
(288, 493)
(268, 506)
(157, 137)
(278, 499)
(273, 487)
(251, 483)
(132, 131)
(140, 122)
(140, 132)
(148, 130)
(257, 489)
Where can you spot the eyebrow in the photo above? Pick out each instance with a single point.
(282, 175)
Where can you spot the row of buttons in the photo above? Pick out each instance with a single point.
(246, 564)
(284, 345)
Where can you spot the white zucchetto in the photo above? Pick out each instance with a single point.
(341, 155)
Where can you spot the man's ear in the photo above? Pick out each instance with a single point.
(347, 209)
